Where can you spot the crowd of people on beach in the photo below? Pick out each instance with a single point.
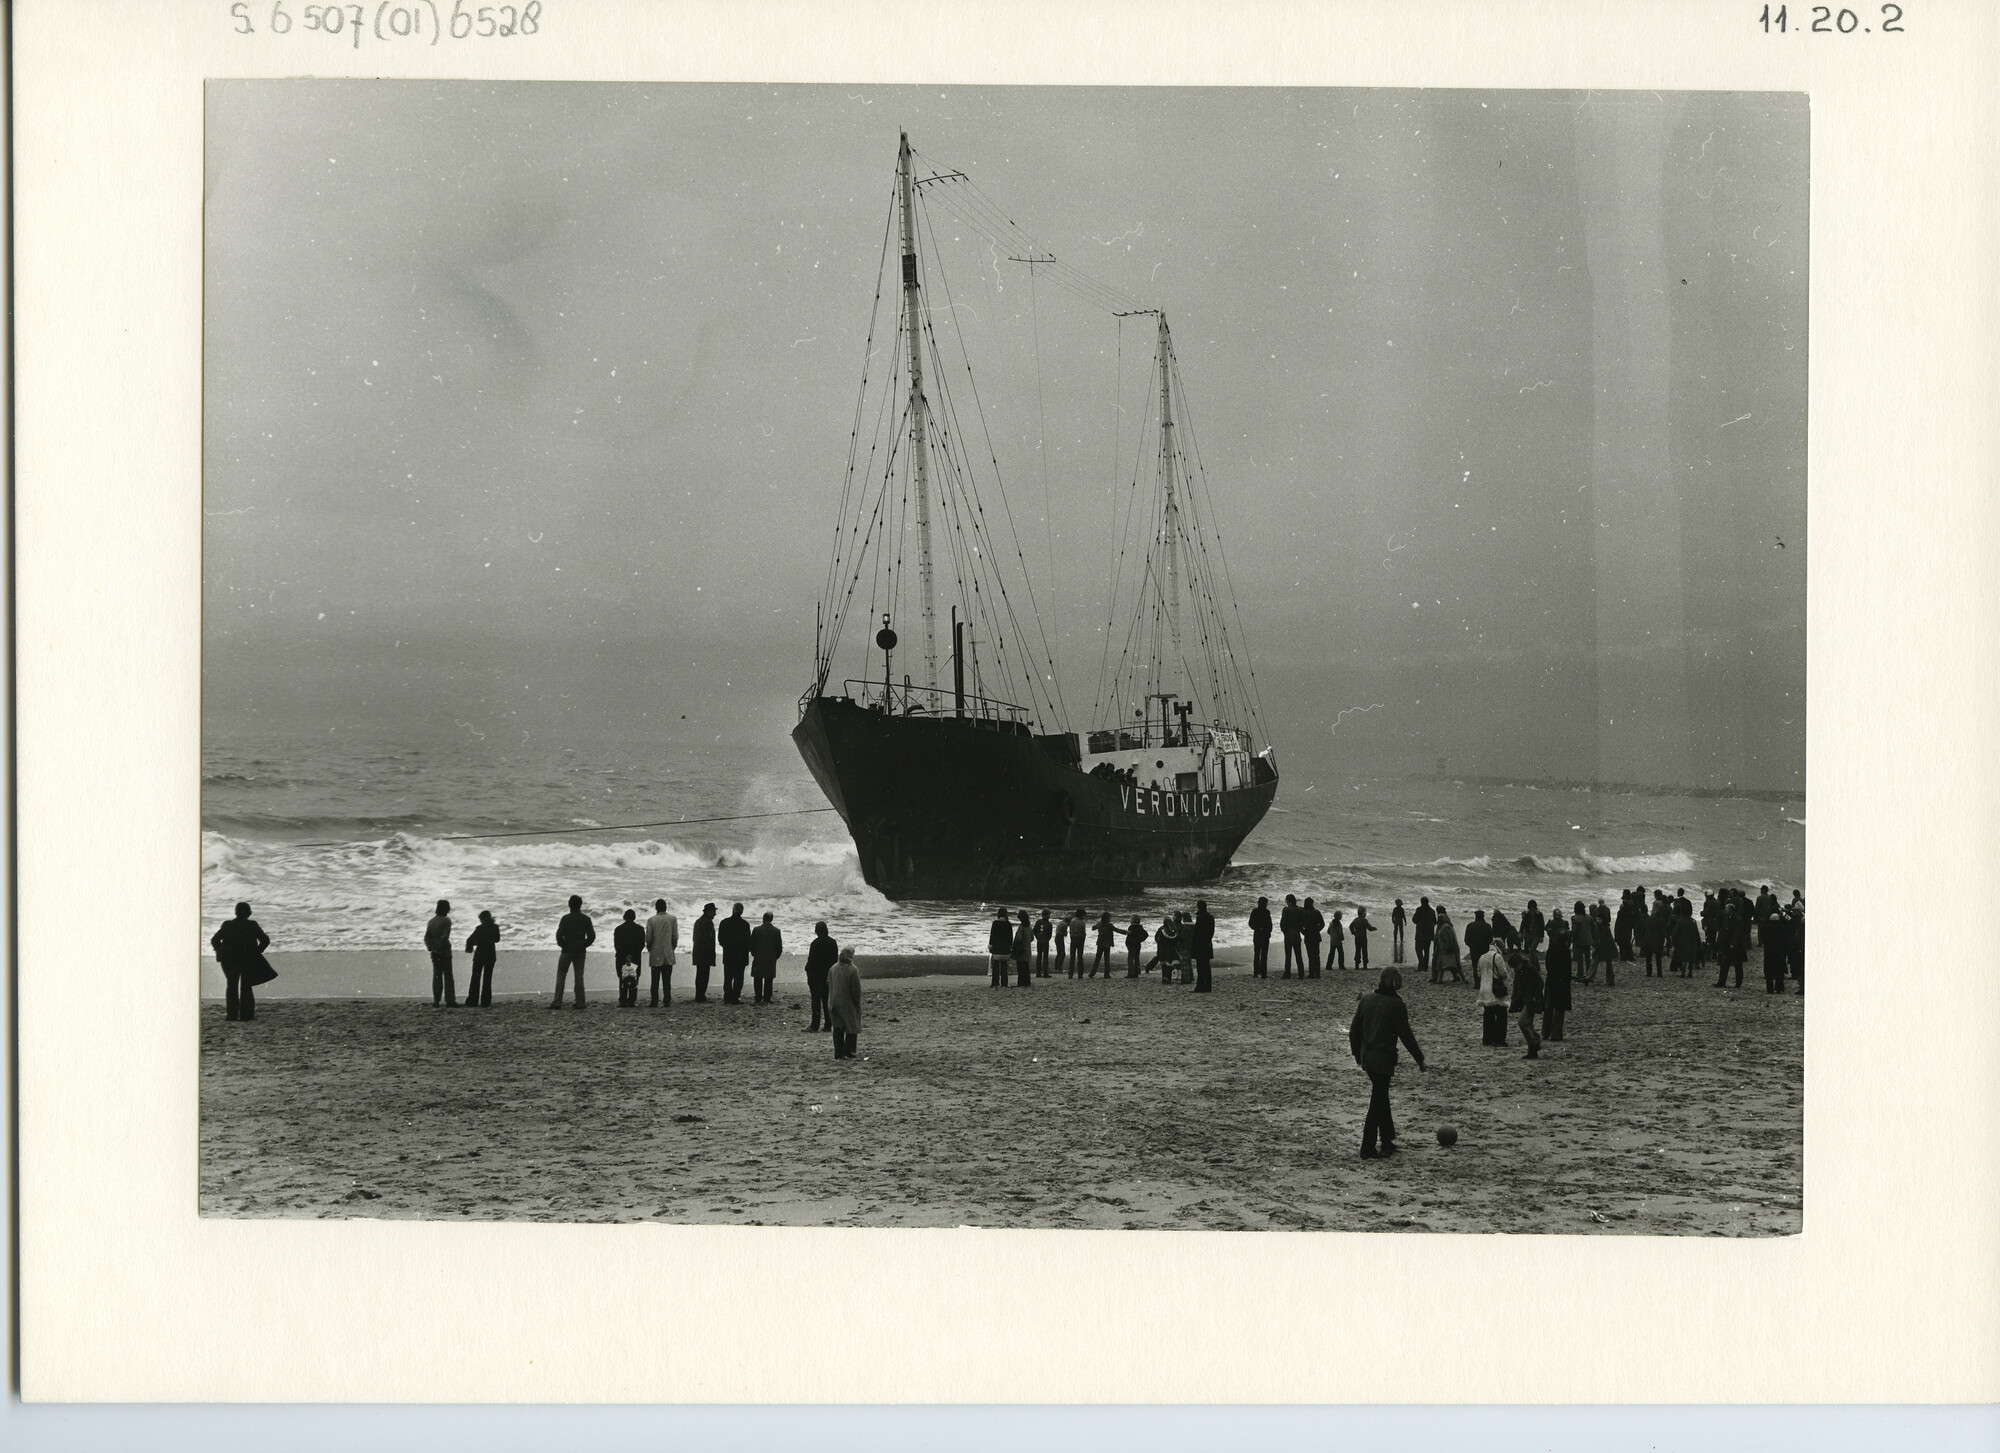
(1183, 943)
(1522, 969)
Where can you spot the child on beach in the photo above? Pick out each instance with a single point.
(1135, 938)
(1106, 933)
(628, 941)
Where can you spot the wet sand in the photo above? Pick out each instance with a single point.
(1673, 1108)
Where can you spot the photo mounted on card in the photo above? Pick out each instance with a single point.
(795, 679)
(1189, 658)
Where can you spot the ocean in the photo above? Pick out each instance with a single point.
(346, 840)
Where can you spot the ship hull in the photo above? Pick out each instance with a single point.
(950, 807)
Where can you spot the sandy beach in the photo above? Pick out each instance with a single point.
(1673, 1108)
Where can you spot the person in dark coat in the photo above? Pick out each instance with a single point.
(1528, 997)
(1000, 947)
(1642, 938)
(1478, 937)
(1766, 905)
(1604, 942)
(1107, 934)
(1397, 918)
(1621, 928)
(574, 936)
(732, 936)
(1555, 990)
(1260, 939)
(1044, 929)
(702, 951)
(1381, 1021)
(1288, 929)
(1735, 937)
(1745, 932)
(628, 948)
(1311, 926)
(239, 948)
(1663, 930)
(1505, 935)
(1444, 951)
(1797, 914)
(1135, 940)
(1777, 949)
(1024, 938)
(1201, 946)
(1166, 947)
(767, 946)
(1534, 928)
(1336, 941)
(1687, 941)
(843, 1004)
(1424, 921)
(483, 944)
(1078, 926)
(437, 938)
(1360, 929)
(821, 954)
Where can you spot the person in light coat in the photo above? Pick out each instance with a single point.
(663, 936)
(1492, 972)
(843, 1004)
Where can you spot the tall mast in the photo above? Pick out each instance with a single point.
(920, 453)
(1170, 516)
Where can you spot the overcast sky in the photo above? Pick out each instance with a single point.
(1501, 396)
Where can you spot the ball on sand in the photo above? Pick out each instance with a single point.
(1447, 1135)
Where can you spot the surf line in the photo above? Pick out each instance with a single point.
(465, 837)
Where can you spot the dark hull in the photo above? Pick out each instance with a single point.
(945, 807)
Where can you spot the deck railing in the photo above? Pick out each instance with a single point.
(937, 701)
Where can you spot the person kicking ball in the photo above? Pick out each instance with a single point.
(1380, 1020)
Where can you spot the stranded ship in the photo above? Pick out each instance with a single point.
(966, 782)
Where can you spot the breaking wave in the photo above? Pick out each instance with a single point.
(1574, 865)
(375, 893)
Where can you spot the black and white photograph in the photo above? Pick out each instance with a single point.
(1031, 657)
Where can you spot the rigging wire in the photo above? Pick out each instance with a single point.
(472, 837)
(1059, 708)
(854, 434)
(1042, 432)
(880, 535)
